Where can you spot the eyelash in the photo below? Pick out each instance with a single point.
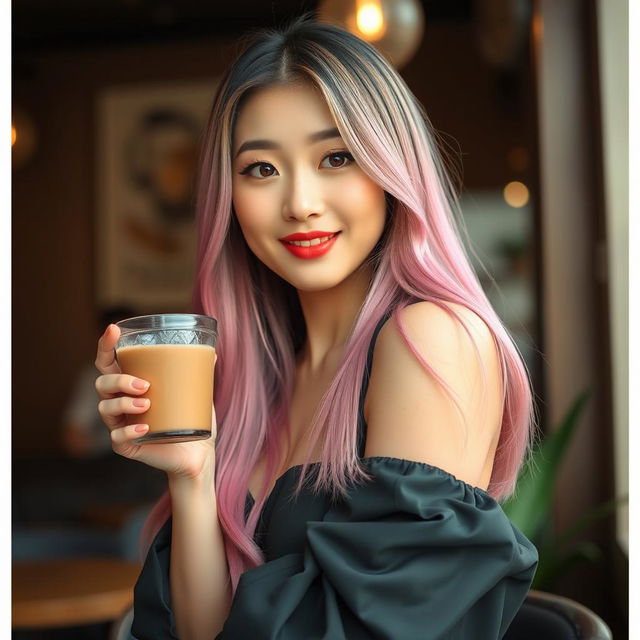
(247, 170)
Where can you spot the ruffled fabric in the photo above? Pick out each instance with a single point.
(414, 553)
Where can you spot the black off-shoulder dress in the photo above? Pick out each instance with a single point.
(414, 554)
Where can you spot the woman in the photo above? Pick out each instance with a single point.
(371, 407)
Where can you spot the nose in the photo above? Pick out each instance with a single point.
(303, 197)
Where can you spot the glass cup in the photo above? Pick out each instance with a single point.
(175, 353)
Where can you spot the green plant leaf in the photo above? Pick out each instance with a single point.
(556, 565)
(553, 562)
(531, 502)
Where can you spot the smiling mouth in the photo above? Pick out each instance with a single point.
(310, 243)
(311, 249)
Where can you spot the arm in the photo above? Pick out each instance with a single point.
(200, 585)
(408, 413)
(184, 583)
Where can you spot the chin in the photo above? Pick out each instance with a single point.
(312, 280)
(313, 288)
(309, 277)
(312, 285)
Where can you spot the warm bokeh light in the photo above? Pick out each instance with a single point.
(537, 27)
(516, 194)
(24, 137)
(370, 20)
(394, 27)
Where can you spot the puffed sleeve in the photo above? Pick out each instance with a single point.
(414, 553)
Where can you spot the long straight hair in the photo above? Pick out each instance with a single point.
(420, 257)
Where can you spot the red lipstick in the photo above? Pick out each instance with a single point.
(310, 251)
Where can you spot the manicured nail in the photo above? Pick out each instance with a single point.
(139, 428)
(140, 402)
(139, 384)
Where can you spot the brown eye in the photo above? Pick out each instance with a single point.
(265, 170)
(338, 160)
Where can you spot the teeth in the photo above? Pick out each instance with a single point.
(309, 243)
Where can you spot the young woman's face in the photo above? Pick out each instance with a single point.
(293, 174)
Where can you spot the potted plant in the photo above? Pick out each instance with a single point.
(529, 508)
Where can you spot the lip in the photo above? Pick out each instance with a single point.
(310, 235)
(314, 251)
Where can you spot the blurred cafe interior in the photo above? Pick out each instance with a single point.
(530, 102)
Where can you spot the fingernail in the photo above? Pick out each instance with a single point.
(140, 402)
(139, 384)
(139, 428)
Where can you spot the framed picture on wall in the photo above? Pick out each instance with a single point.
(148, 142)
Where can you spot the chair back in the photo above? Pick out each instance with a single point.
(553, 617)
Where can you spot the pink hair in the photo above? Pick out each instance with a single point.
(419, 257)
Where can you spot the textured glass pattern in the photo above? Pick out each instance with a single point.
(167, 336)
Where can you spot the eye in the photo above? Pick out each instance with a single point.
(338, 159)
(265, 170)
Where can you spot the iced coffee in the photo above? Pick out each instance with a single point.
(175, 353)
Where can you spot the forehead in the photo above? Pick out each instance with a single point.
(274, 111)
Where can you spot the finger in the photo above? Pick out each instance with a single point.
(112, 384)
(125, 435)
(105, 357)
(112, 410)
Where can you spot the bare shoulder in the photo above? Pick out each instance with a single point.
(439, 329)
(442, 337)
(411, 416)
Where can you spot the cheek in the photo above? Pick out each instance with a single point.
(365, 200)
(250, 211)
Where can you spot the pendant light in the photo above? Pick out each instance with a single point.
(394, 27)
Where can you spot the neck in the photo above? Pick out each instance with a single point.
(329, 317)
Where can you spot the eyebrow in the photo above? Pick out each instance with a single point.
(326, 134)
